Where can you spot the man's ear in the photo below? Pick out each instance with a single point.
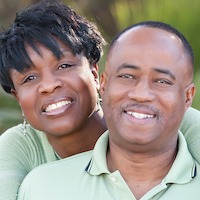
(95, 73)
(190, 92)
(103, 81)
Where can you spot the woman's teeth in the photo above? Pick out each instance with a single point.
(56, 105)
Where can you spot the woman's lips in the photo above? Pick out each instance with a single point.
(55, 106)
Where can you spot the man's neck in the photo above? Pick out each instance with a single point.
(142, 171)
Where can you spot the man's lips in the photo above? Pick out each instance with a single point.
(138, 115)
(141, 111)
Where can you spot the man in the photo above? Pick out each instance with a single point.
(146, 89)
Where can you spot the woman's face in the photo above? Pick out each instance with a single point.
(57, 96)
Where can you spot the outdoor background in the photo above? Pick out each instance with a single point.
(111, 16)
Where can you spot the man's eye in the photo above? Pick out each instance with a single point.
(126, 76)
(63, 66)
(163, 81)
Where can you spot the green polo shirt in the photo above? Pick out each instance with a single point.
(86, 177)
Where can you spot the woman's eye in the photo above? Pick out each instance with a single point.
(29, 78)
(63, 66)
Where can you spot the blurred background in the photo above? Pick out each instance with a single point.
(111, 16)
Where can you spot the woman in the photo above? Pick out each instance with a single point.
(48, 61)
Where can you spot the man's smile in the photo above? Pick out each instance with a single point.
(140, 115)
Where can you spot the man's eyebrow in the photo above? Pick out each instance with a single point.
(159, 70)
(127, 66)
(165, 71)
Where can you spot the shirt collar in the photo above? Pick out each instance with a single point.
(182, 171)
(98, 163)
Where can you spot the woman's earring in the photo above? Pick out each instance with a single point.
(99, 100)
(24, 125)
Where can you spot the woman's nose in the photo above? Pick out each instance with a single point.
(49, 84)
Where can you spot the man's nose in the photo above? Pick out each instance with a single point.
(142, 91)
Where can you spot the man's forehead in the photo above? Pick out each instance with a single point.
(148, 37)
(146, 41)
(144, 33)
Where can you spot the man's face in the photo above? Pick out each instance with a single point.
(57, 96)
(146, 88)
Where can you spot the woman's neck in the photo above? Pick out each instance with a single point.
(80, 141)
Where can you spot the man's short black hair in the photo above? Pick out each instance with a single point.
(162, 26)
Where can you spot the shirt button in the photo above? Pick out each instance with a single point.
(113, 179)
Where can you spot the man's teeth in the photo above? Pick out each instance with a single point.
(139, 115)
(56, 105)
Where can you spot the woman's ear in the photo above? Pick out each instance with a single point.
(190, 92)
(14, 94)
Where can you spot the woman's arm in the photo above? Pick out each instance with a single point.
(190, 127)
(19, 154)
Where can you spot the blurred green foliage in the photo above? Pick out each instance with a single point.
(112, 16)
(9, 111)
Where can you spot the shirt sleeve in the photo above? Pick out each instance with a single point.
(190, 127)
(19, 154)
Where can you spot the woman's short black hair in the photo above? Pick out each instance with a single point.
(43, 23)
